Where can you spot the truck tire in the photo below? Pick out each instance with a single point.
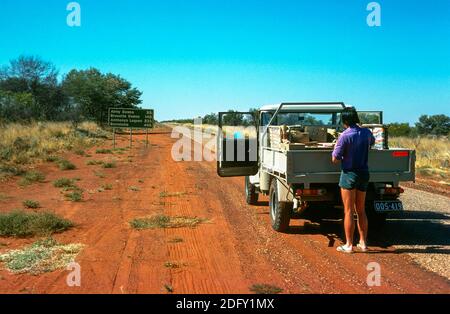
(251, 196)
(280, 212)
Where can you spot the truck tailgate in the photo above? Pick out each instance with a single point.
(315, 166)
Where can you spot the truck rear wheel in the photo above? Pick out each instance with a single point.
(251, 196)
(280, 212)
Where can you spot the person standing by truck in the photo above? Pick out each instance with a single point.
(352, 150)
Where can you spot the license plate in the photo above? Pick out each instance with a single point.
(388, 206)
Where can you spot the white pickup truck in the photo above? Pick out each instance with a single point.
(284, 151)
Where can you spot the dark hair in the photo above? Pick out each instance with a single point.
(349, 116)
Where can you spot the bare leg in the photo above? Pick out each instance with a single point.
(348, 198)
(363, 224)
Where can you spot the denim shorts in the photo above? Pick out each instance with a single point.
(351, 180)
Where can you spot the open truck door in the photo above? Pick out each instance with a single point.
(237, 144)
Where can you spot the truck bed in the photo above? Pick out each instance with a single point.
(314, 165)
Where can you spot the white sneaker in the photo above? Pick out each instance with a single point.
(345, 249)
(362, 248)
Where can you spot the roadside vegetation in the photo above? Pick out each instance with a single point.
(176, 240)
(64, 183)
(173, 265)
(265, 289)
(171, 194)
(22, 145)
(41, 116)
(107, 187)
(21, 224)
(163, 221)
(73, 192)
(31, 177)
(94, 162)
(109, 164)
(74, 196)
(103, 151)
(64, 164)
(433, 155)
(31, 204)
(41, 257)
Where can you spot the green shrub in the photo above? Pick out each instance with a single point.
(52, 158)
(172, 264)
(265, 289)
(99, 174)
(21, 224)
(75, 196)
(64, 183)
(31, 177)
(12, 170)
(107, 187)
(31, 204)
(109, 164)
(163, 221)
(66, 165)
(103, 151)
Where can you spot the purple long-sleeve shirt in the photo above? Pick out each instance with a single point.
(352, 148)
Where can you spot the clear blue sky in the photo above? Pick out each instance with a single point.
(195, 57)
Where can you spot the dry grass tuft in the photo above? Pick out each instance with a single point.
(171, 194)
(265, 289)
(163, 221)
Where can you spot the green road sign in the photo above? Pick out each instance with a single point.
(130, 118)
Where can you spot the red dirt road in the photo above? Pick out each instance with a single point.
(235, 249)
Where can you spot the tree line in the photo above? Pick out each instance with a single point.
(30, 90)
(434, 125)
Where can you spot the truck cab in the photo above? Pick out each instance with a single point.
(284, 151)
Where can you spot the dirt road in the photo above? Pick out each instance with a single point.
(235, 249)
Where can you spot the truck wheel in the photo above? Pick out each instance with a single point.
(280, 212)
(251, 196)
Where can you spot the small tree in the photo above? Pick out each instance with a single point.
(233, 118)
(38, 78)
(434, 125)
(399, 129)
(93, 93)
(211, 118)
(17, 106)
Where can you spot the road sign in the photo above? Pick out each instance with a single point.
(130, 118)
